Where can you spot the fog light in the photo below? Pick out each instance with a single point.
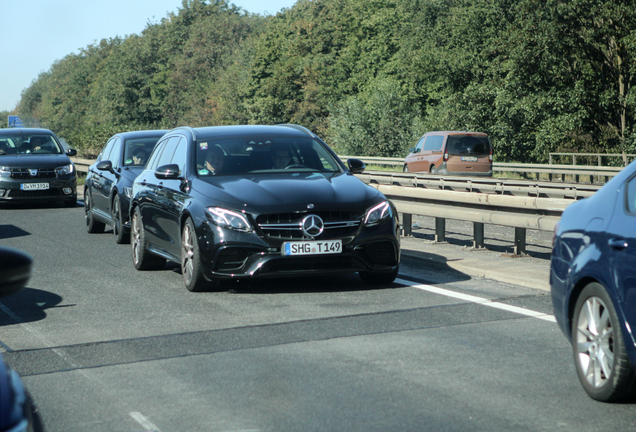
(67, 191)
(2, 192)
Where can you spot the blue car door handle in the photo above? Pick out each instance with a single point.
(618, 243)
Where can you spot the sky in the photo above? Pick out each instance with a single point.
(36, 33)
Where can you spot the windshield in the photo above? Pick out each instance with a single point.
(29, 144)
(263, 155)
(136, 151)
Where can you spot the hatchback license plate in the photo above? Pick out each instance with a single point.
(312, 247)
(469, 158)
(34, 186)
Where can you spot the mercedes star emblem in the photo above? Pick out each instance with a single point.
(313, 225)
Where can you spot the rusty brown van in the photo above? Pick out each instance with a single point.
(451, 153)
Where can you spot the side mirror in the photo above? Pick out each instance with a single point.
(15, 270)
(356, 166)
(168, 172)
(71, 152)
(105, 165)
(412, 150)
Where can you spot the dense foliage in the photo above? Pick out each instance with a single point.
(368, 75)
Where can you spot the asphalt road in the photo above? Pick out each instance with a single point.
(103, 347)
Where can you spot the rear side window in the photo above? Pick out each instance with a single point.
(434, 142)
(468, 144)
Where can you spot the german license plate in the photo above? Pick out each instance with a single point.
(312, 247)
(34, 186)
(469, 158)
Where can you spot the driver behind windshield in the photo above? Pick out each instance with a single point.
(280, 158)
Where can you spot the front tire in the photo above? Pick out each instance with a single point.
(191, 267)
(405, 168)
(92, 226)
(121, 235)
(599, 349)
(142, 258)
(433, 170)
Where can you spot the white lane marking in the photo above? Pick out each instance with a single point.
(142, 420)
(478, 300)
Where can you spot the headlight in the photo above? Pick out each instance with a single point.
(229, 219)
(66, 169)
(378, 214)
(5, 171)
(128, 192)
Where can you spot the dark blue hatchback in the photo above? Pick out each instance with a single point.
(593, 281)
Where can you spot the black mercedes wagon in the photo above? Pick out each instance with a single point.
(259, 201)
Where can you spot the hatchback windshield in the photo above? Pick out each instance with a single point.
(29, 144)
(264, 154)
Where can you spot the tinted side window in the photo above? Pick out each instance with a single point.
(179, 156)
(434, 142)
(106, 151)
(168, 151)
(152, 163)
(115, 154)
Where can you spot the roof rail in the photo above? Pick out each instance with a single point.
(297, 127)
(188, 128)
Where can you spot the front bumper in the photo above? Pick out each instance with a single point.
(58, 190)
(373, 249)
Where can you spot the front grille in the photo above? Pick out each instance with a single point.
(24, 174)
(338, 224)
(16, 193)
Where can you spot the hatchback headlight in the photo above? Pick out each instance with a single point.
(378, 214)
(64, 170)
(229, 219)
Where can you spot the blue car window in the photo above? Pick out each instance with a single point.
(631, 195)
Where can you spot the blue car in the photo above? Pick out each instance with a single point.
(17, 411)
(593, 284)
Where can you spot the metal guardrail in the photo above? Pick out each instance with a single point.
(598, 156)
(81, 165)
(520, 205)
(551, 169)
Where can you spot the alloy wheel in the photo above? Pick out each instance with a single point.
(116, 218)
(136, 238)
(187, 246)
(595, 342)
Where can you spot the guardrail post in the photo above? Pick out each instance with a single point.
(440, 230)
(478, 235)
(407, 224)
(520, 241)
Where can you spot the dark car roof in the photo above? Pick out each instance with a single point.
(141, 134)
(230, 131)
(20, 131)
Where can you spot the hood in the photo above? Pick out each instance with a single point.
(34, 160)
(286, 192)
